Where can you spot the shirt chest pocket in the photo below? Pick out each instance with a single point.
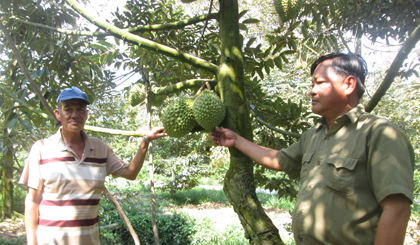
(339, 174)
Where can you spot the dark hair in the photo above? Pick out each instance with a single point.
(346, 65)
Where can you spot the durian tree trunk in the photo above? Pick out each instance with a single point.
(7, 178)
(239, 180)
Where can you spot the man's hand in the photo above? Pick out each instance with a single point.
(32, 201)
(155, 133)
(223, 137)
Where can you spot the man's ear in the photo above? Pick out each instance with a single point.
(57, 114)
(350, 84)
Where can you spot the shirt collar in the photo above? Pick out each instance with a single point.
(353, 115)
(62, 146)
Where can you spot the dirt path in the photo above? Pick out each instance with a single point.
(220, 215)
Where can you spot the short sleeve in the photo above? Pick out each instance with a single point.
(391, 162)
(114, 165)
(31, 176)
(290, 159)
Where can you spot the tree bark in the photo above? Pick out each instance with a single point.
(7, 179)
(151, 166)
(239, 180)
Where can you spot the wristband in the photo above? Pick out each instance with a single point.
(145, 139)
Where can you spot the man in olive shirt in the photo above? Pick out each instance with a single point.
(356, 169)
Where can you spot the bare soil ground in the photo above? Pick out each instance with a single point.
(220, 215)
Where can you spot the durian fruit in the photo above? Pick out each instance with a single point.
(287, 9)
(209, 111)
(177, 118)
(136, 94)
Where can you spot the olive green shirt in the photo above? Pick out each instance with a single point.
(345, 172)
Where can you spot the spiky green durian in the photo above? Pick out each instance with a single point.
(287, 9)
(177, 118)
(209, 111)
(136, 94)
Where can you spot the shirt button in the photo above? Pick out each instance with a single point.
(309, 187)
(300, 212)
(327, 138)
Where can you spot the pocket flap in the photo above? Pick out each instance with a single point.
(307, 157)
(342, 162)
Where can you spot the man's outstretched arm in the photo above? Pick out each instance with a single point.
(264, 156)
(137, 162)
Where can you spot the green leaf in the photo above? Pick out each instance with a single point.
(27, 125)
(304, 31)
(250, 42)
(267, 67)
(292, 44)
(103, 42)
(278, 63)
(267, 52)
(188, 1)
(284, 58)
(325, 21)
(92, 73)
(12, 124)
(319, 26)
(270, 63)
(260, 73)
(250, 21)
(294, 25)
(94, 45)
(241, 14)
(243, 27)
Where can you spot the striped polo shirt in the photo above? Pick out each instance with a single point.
(72, 187)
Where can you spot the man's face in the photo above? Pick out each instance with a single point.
(73, 115)
(328, 91)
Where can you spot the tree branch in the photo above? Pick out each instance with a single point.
(294, 135)
(174, 25)
(26, 72)
(405, 50)
(179, 86)
(113, 131)
(145, 43)
(340, 33)
(64, 31)
(121, 212)
(157, 27)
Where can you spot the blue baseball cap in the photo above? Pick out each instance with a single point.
(72, 93)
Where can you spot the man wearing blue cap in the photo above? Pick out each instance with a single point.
(65, 176)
